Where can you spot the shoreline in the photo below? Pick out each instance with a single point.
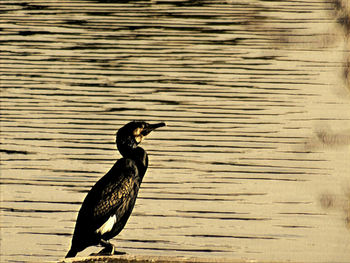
(155, 259)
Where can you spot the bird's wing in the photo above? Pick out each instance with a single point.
(112, 194)
(115, 195)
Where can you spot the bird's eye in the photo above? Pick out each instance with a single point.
(137, 131)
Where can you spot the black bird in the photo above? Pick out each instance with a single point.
(109, 203)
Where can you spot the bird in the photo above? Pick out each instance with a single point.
(108, 205)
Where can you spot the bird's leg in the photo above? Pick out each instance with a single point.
(108, 248)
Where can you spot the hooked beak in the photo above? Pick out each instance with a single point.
(146, 130)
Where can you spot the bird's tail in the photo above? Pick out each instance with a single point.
(71, 253)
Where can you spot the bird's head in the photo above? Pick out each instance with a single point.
(131, 134)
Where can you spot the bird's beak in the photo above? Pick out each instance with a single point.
(150, 127)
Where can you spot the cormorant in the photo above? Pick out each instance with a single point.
(109, 203)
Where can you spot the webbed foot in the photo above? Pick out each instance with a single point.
(108, 250)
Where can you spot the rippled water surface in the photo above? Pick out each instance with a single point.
(254, 161)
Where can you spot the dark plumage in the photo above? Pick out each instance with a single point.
(109, 203)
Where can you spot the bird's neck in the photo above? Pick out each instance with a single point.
(137, 154)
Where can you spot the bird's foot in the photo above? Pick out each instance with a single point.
(107, 252)
(108, 249)
(104, 252)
